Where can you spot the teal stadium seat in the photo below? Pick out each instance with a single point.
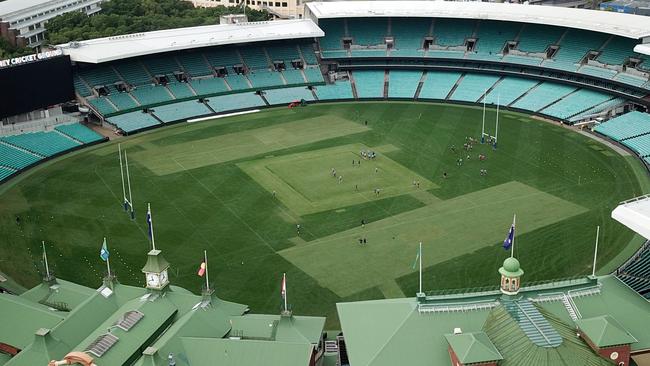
(334, 32)
(629, 125)
(452, 32)
(508, 90)
(102, 106)
(255, 58)
(180, 90)
(575, 103)
(640, 144)
(263, 78)
(492, 37)
(122, 101)
(409, 35)
(369, 83)
(42, 143)
(445, 54)
(574, 46)
(599, 72)
(133, 121)
(15, 158)
(151, 94)
(473, 86)
(237, 82)
(618, 50)
(80, 87)
(223, 57)
(369, 53)
(543, 95)
(630, 79)
(293, 77)
(536, 38)
(598, 109)
(209, 86)
(80, 132)
(342, 89)
(523, 60)
(194, 63)
(161, 65)
(100, 75)
(4, 172)
(438, 84)
(368, 31)
(308, 54)
(403, 83)
(283, 52)
(133, 72)
(288, 95)
(231, 102)
(181, 111)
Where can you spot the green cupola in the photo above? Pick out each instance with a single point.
(511, 273)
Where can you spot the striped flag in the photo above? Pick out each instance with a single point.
(417, 257)
(201, 269)
(103, 253)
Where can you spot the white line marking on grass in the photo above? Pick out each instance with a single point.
(221, 116)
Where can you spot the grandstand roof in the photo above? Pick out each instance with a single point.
(635, 214)
(12, 6)
(120, 47)
(626, 25)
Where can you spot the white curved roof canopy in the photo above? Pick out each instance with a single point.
(625, 25)
(635, 214)
(121, 47)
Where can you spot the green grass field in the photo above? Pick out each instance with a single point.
(210, 185)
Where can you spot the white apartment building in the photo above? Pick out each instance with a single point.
(22, 22)
(279, 8)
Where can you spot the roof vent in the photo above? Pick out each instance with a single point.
(458, 331)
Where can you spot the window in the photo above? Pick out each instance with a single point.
(284, 5)
(277, 4)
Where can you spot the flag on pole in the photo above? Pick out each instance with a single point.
(284, 285)
(417, 256)
(201, 269)
(509, 239)
(103, 254)
(149, 222)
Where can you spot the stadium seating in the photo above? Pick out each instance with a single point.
(492, 37)
(180, 90)
(598, 109)
(42, 143)
(102, 106)
(133, 72)
(452, 32)
(223, 57)
(194, 63)
(102, 75)
(231, 102)
(209, 86)
(342, 89)
(15, 158)
(163, 65)
(80, 87)
(334, 32)
(630, 124)
(508, 90)
(122, 101)
(438, 84)
(369, 53)
(130, 122)
(617, 50)
(151, 94)
(598, 72)
(80, 133)
(574, 46)
(308, 55)
(630, 79)
(288, 95)
(181, 111)
(5, 172)
(473, 86)
(369, 83)
(409, 35)
(368, 31)
(536, 38)
(522, 60)
(636, 273)
(403, 83)
(640, 144)
(255, 57)
(542, 95)
(264, 78)
(283, 52)
(445, 54)
(575, 103)
(293, 77)
(238, 82)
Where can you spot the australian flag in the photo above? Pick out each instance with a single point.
(510, 238)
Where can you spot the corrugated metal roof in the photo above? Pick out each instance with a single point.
(605, 331)
(625, 25)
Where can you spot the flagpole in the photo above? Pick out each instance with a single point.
(207, 280)
(47, 267)
(108, 260)
(420, 267)
(483, 126)
(153, 240)
(496, 132)
(512, 247)
(119, 151)
(593, 268)
(284, 280)
(128, 180)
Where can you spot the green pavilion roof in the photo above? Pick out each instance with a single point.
(605, 331)
(473, 347)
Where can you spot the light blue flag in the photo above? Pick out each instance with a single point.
(103, 254)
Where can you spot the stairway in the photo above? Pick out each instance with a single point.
(569, 306)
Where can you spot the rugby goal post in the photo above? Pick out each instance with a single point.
(494, 138)
(124, 168)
